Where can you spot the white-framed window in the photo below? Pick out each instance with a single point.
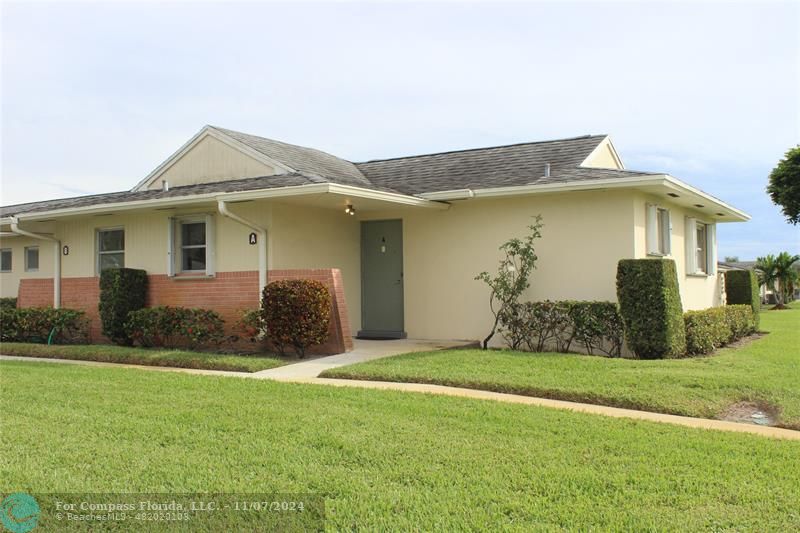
(5, 260)
(31, 259)
(659, 231)
(701, 247)
(110, 248)
(191, 245)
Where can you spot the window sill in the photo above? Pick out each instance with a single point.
(698, 275)
(660, 256)
(195, 277)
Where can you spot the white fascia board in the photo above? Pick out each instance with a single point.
(259, 194)
(455, 194)
(208, 131)
(395, 198)
(664, 180)
(583, 185)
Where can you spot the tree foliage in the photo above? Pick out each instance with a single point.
(513, 274)
(779, 274)
(784, 185)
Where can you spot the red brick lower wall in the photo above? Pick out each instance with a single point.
(228, 293)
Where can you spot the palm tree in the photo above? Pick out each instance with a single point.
(787, 274)
(778, 274)
(767, 272)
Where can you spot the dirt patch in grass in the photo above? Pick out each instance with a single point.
(744, 341)
(759, 413)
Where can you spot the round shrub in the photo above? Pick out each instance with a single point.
(297, 313)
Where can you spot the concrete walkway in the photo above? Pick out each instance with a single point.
(363, 350)
(697, 423)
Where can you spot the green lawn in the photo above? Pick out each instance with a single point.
(764, 371)
(144, 356)
(384, 460)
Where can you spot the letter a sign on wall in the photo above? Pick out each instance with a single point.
(253, 238)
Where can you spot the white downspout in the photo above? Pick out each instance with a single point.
(261, 232)
(56, 253)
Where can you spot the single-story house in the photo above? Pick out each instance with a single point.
(399, 241)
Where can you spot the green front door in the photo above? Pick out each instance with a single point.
(382, 280)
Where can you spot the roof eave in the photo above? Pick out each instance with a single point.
(664, 180)
(258, 194)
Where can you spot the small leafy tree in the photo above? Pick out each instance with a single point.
(784, 185)
(513, 275)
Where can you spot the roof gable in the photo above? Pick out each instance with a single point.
(604, 156)
(308, 161)
(219, 158)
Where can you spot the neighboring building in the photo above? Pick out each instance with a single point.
(407, 235)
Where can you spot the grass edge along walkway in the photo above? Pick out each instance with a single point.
(762, 373)
(103, 353)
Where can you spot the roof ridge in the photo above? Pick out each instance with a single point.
(589, 136)
(225, 130)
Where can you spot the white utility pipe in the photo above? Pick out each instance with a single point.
(261, 233)
(56, 254)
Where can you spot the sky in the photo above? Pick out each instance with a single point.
(95, 95)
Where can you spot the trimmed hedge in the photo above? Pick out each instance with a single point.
(172, 327)
(122, 290)
(8, 303)
(713, 328)
(650, 304)
(537, 326)
(706, 330)
(741, 320)
(44, 324)
(741, 287)
(296, 312)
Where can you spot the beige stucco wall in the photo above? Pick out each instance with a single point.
(305, 237)
(697, 292)
(584, 236)
(9, 281)
(299, 237)
(212, 160)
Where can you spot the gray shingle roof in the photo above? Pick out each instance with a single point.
(246, 184)
(308, 161)
(501, 166)
(739, 265)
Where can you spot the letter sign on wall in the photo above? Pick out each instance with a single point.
(253, 238)
(65, 250)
